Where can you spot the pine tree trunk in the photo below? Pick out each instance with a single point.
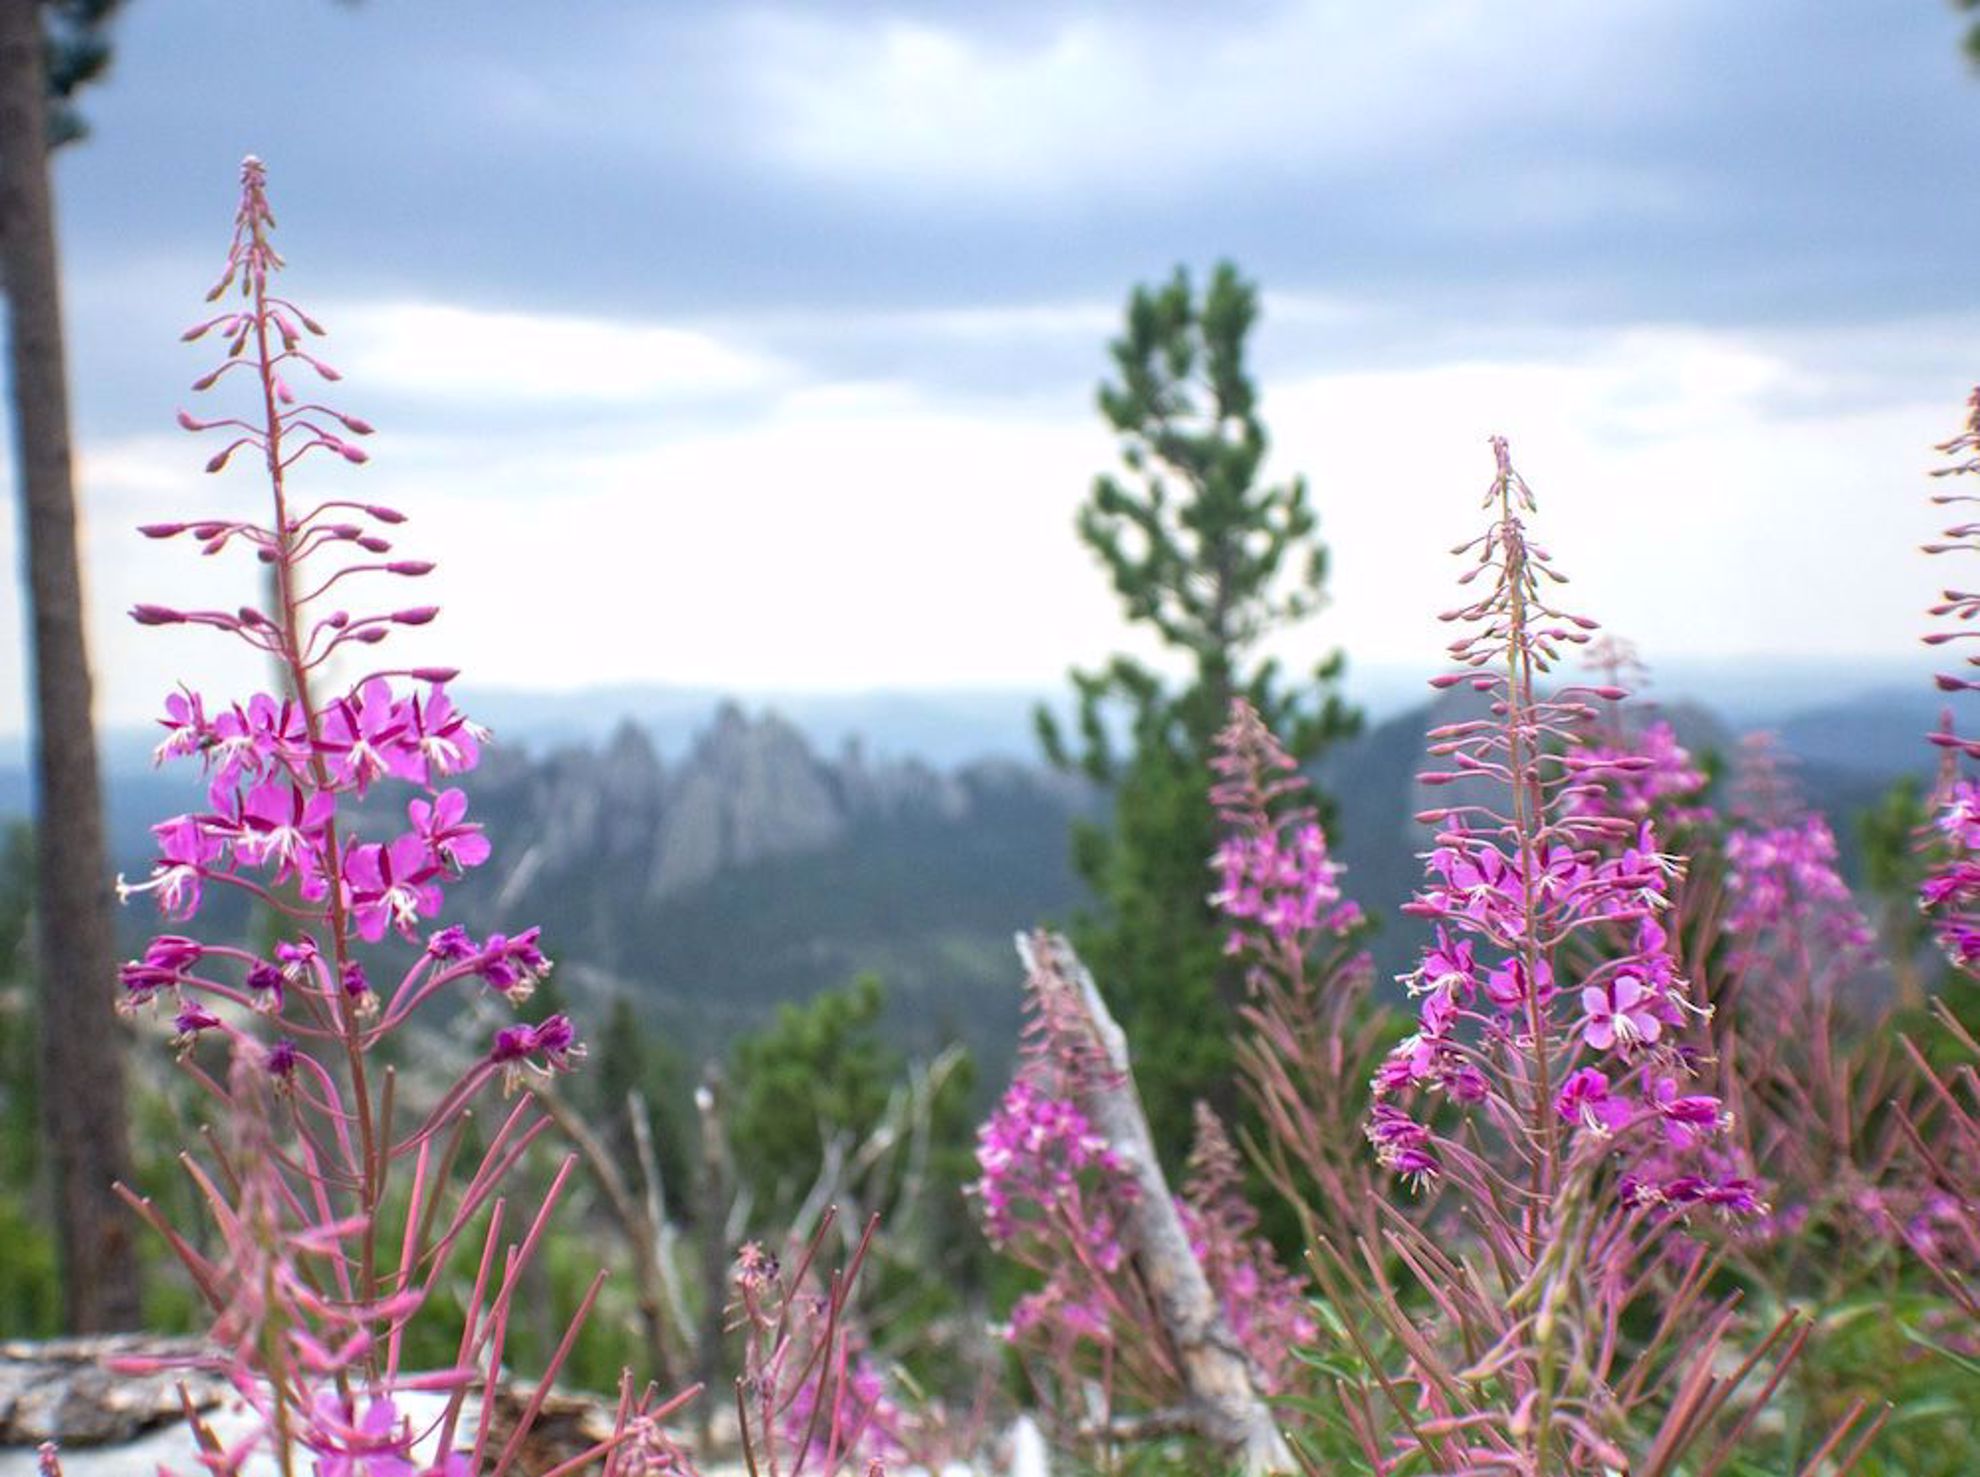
(82, 1078)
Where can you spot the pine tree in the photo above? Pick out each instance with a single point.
(820, 1068)
(1212, 560)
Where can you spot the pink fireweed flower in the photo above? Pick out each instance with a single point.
(163, 967)
(866, 1417)
(510, 966)
(1950, 895)
(1274, 866)
(334, 1222)
(452, 842)
(451, 942)
(1059, 1199)
(1645, 776)
(1687, 1117)
(1561, 876)
(362, 736)
(1514, 984)
(391, 886)
(1619, 1014)
(1307, 1029)
(442, 737)
(1403, 1145)
(1450, 968)
(186, 728)
(190, 1023)
(1547, 1096)
(280, 1058)
(265, 985)
(1284, 883)
(281, 824)
(516, 1049)
(267, 736)
(185, 851)
(380, 1444)
(1785, 876)
(1584, 1100)
(1038, 1160)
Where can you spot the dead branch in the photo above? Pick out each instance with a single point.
(1221, 1395)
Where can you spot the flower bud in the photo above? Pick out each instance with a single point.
(156, 615)
(419, 615)
(172, 951)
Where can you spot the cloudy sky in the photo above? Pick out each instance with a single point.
(754, 345)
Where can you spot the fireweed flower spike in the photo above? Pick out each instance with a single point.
(1550, 957)
(1547, 1101)
(1309, 1039)
(320, 1280)
(1951, 893)
(1945, 1129)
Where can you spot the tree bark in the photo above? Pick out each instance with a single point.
(1223, 1400)
(82, 1081)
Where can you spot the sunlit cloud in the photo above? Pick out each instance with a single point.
(447, 351)
(867, 534)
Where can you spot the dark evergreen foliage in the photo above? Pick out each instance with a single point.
(820, 1069)
(1212, 559)
(76, 53)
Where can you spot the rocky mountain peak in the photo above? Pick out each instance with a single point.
(749, 790)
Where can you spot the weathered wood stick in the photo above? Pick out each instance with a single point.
(1221, 1396)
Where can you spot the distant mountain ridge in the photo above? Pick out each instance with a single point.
(752, 863)
(749, 790)
(947, 727)
(754, 870)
